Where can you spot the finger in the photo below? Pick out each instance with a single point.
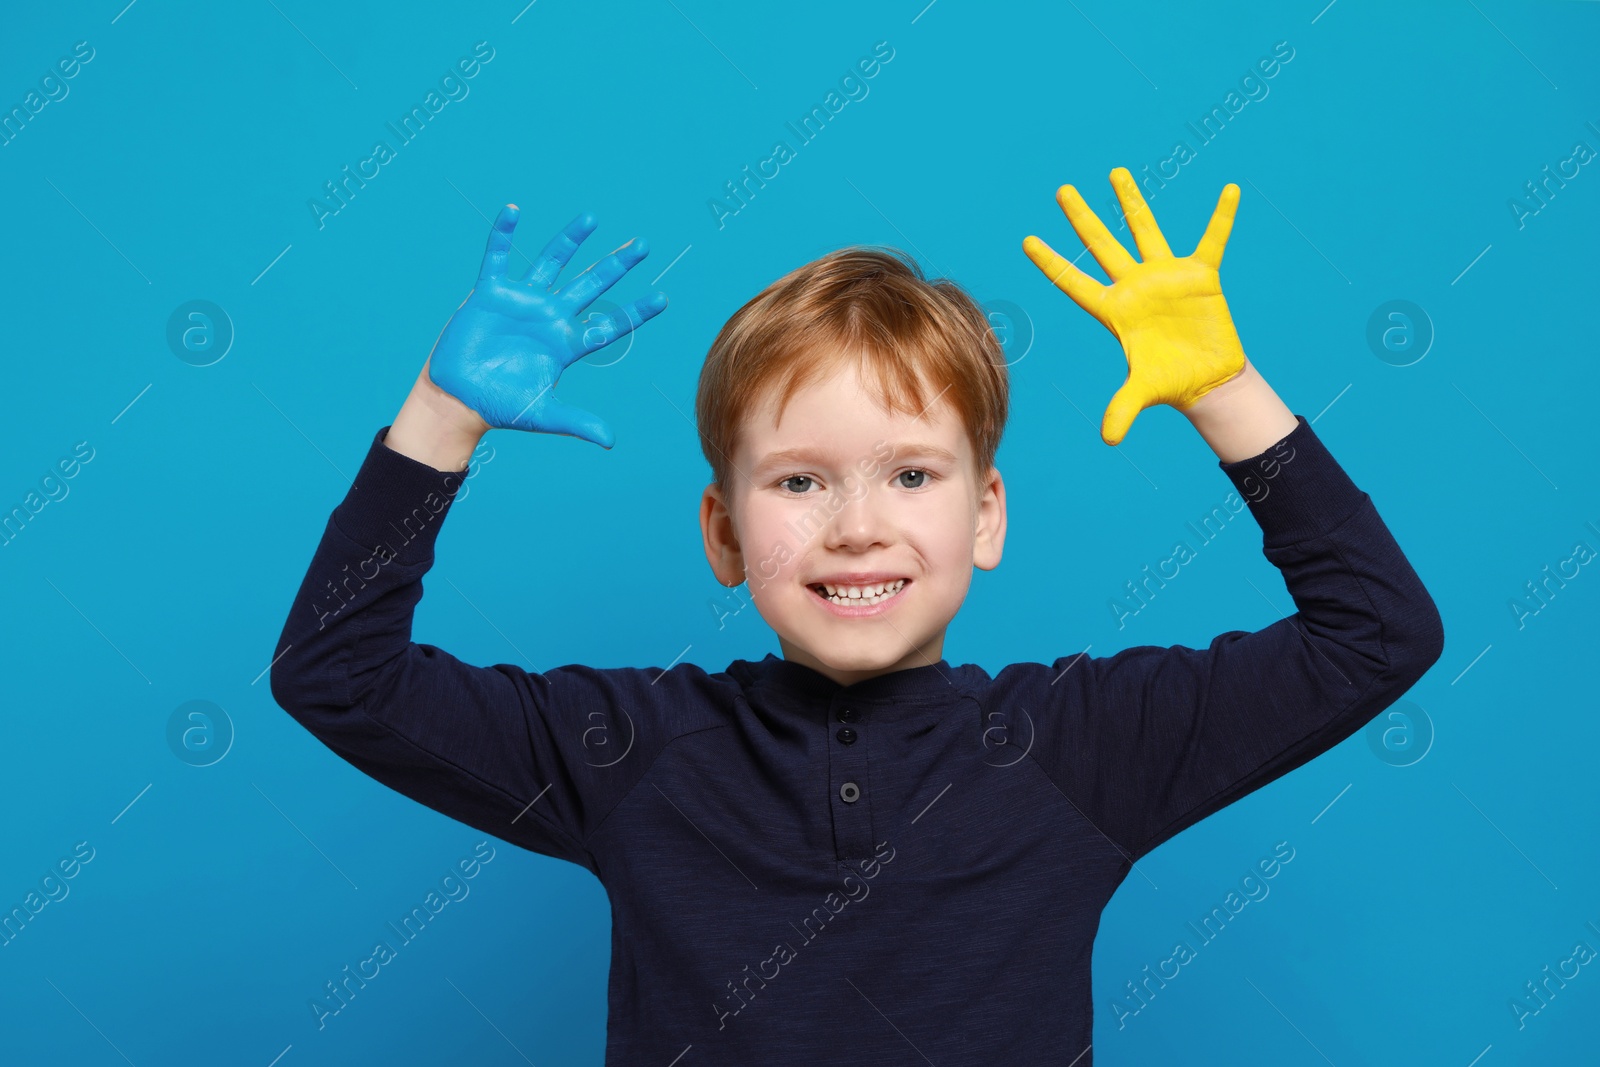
(544, 270)
(1211, 246)
(601, 275)
(558, 416)
(1085, 291)
(494, 256)
(1107, 251)
(1125, 406)
(607, 328)
(1146, 234)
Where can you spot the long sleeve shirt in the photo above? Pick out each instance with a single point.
(905, 870)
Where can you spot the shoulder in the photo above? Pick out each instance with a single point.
(1040, 680)
(667, 702)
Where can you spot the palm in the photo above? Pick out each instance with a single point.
(508, 344)
(503, 350)
(1175, 329)
(1169, 313)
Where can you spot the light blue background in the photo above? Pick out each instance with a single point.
(1379, 167)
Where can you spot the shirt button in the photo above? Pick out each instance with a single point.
(847, 735)
(849, 792)
(847, 714)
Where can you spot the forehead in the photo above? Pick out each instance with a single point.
(840, 417)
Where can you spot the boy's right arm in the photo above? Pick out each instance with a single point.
(536, 759)
(470, 742)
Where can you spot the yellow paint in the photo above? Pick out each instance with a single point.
(1168, 313)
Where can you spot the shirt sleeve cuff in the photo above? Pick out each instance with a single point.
(1295, 488)
(398, 502)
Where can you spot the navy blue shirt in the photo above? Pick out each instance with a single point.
(906, 870)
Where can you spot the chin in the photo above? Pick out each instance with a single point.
(856, 659)
(859, 661)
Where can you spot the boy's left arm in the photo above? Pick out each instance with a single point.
(1152, 739)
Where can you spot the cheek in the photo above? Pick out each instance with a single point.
(769, 551)
(780, 535)
(949, 540)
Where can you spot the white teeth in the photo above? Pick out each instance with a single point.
(868, 594)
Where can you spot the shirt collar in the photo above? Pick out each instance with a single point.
(929, 683)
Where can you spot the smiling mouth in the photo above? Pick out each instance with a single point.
(890, 590)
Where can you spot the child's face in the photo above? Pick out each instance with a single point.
(860, 498)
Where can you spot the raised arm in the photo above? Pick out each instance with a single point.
(536, 759)
(1152, 739)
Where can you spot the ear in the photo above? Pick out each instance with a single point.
(990, 537)
(721, 539)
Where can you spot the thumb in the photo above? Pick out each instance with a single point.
(1124, 408)
(558, 416)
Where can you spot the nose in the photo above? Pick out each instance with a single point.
(858, 522)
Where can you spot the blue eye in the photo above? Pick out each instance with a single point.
(920, 482)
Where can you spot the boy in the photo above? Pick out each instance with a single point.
(858, 853)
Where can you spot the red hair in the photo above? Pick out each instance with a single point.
(876, 305)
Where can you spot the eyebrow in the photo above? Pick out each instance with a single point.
(910, 450)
